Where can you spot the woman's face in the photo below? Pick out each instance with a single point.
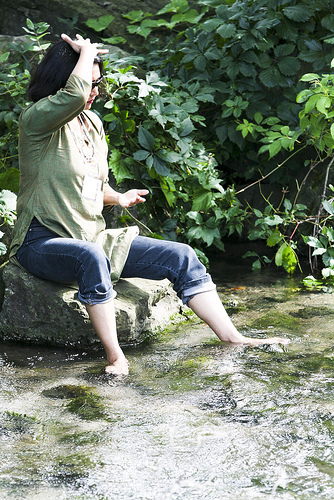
(95, 90)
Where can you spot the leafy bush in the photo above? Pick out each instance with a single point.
(14, 79)
(240, 65)
(247, 58)
(151, 139)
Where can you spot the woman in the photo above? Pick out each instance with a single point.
(60, 232)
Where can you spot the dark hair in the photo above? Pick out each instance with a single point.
(53, 71)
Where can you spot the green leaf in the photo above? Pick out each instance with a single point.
(279, 254)
(110, 117)
(226, 30)
(141, 155)
(3, 248)
(256, 265)
(274, 148)
(174, 6)
(30, 24)
(211, 24)
(119, 167)
(289, 66)
(186, 127)
(319, 251)
(4, 57)
(169, 156)
(160, 166)
(273, 220)
(309, 77)
(287, 205)
(328, 207)
(146, 139)
(289, 259)
(274, 238)
(195, 216)
(258, 118)
(136, 15)
(114, 40)
(298, 13)
(271, 77)
(169, 195)
(313, 242)
(250, 253)
(202, 200)
(144, 89)
(100, 23)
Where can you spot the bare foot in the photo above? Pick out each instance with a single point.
(257, 341)
(118, 367)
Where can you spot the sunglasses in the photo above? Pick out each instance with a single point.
(96, 83)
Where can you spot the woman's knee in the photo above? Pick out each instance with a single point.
(188, 258)
(93, 252)
(93, 275)
(93, 259)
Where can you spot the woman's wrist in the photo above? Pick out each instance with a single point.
(111, 198)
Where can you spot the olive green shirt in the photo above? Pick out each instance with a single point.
(53, 170)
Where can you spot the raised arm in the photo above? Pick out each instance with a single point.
(68, 100)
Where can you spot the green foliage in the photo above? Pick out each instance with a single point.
(14, 79)
(100, 24)
(151, 132)
(249, 57)
(274, 226)
(246, 59)
(316, 117)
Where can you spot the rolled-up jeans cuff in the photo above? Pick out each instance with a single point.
(97, 298)
(189, 293)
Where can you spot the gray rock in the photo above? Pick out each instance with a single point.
(60, 15)
(42, 312)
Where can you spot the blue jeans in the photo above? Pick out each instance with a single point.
(68, 260)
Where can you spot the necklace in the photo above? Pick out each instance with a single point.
(85, 145)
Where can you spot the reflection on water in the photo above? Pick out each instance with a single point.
(194, 419)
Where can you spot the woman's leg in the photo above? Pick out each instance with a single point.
(208, 307)
(102, 317)
(159, 259)
(66, 260)
(155, 259)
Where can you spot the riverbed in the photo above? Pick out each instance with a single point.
(194, 419)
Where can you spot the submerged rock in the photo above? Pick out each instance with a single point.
(42, 312)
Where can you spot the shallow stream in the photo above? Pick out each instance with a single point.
(195, 419)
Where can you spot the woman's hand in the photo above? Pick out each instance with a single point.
(132, 197)
(82, 43)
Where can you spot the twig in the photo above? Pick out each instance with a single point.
(271, 172)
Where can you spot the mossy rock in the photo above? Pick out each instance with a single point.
(310, 312)
(16, 423)
(84, 401)
(278, 320)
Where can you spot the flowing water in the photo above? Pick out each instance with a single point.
(195, 419)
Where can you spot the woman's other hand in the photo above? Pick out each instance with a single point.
(81, 43)
(132, 197)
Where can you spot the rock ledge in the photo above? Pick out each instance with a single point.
(42, 312)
